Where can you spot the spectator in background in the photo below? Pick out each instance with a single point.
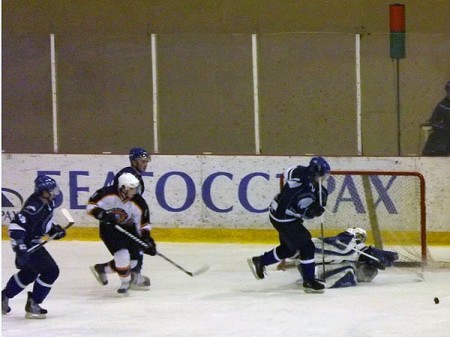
(438, 143)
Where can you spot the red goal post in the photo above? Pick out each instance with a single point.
(389, 205)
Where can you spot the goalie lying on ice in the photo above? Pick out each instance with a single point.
(348, 260)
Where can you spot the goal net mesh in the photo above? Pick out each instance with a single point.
(390, 206)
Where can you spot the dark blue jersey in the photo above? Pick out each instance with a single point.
(297, 195)
(133, 171)
(33, 221)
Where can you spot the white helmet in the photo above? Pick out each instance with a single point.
(128, 180)
(359, 233)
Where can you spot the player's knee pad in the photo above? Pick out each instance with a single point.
(122, 261)
(366, 272)
(122, 258)
(307, 251)
(282, 252)
(49, 275)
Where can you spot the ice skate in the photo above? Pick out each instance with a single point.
(33, 310)
(99, 273)
(256, 267)
(5, 304)
(139, 281)
(123, 289)
(313, 286)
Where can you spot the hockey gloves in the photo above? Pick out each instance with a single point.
(106, 216)
(314, 210)
(385, 258)
(21, 249)
(151, 249)
(57, 232)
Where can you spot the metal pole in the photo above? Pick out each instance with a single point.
(256, 93)
(358, 93)
(398, 109)
(54, 95)
(155, 94)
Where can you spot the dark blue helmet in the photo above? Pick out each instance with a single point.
(319, 167)
(138, 152)
(45, 183)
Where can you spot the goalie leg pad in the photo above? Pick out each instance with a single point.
(339, 275)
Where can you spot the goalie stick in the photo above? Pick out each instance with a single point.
(358, 251)
(284, 264)
(143, 244)
(71, 221)
(420, 275)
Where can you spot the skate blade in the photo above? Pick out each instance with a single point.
(30, 315)
(97, 276)
(123, 293)
(139, 288)
(313, 291)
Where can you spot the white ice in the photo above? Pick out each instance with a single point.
(227, 300)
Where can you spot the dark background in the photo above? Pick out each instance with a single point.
(306, 75)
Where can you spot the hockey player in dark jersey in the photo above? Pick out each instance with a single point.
(139, 159)
(34, 220)
(124, 207)
(299, 200)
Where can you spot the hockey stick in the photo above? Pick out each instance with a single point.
(321, 231)
(420, 275)
(145, 245)
(198, 272)
(71, 221)
(358, 251)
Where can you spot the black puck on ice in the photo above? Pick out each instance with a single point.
(436, 300)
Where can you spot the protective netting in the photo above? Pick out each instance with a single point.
(390, 206)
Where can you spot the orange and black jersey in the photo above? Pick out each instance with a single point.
(134, 212)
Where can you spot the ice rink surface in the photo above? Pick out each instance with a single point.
(227, 300)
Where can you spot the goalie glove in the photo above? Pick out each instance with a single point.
(386, 258)
(151, 249)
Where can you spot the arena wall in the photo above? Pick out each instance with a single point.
(205, 197)
(307, 76)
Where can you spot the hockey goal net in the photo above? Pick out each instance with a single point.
(389, 205)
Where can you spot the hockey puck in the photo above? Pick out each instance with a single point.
(436, 300)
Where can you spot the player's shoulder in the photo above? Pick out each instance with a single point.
(104, 191)
(296, 177)
(444, 105)
(296, 172)
(128, 169)
(139, 199)
(110, 189)
(32, 205)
